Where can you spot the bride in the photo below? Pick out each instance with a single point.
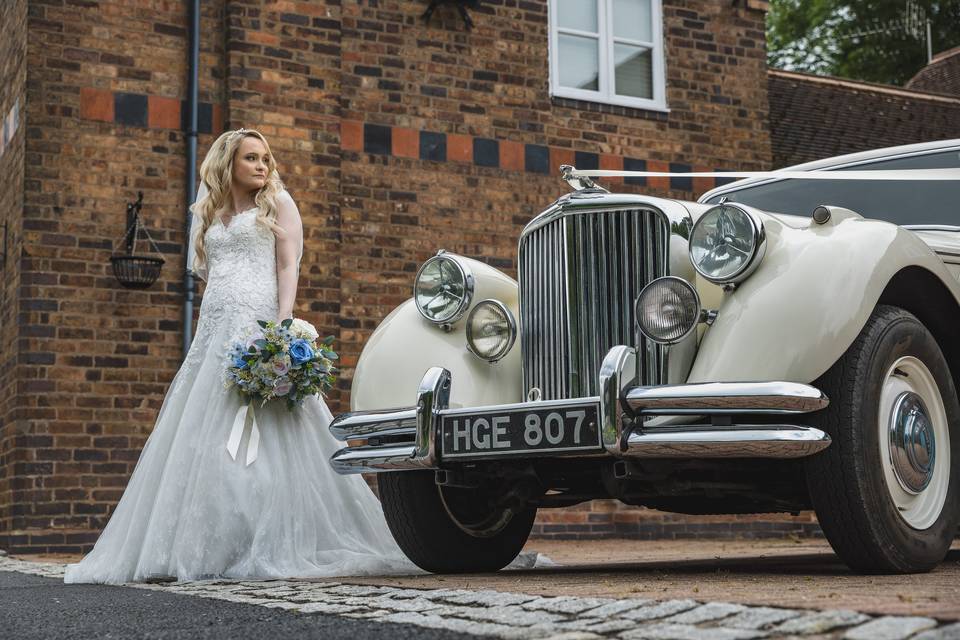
(273, 509)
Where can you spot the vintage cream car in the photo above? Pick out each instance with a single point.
(783, 344)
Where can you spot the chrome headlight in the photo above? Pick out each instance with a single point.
(443, 289)
(726, 244)
(668, 309)
(491, 330)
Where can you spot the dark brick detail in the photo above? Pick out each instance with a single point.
(433, 146)
(677, 182)
(204, 117)
(633, 164)
(486, 153)
(377, 139)
(438, 92)
(295, 18)
(586, 161)
(536, 159)
(130, 109)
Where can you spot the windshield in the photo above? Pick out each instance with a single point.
(897, 201)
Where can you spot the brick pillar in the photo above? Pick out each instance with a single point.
(13, 76)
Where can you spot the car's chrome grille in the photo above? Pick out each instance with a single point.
(579, 277)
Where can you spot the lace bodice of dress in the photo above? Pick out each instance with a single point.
(241, 273)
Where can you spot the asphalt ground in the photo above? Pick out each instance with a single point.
(35, 608)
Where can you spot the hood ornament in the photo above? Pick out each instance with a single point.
(578, 182)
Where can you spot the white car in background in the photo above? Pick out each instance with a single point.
(781, 345)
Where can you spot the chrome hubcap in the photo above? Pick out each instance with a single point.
(913, 448)
(914, 442)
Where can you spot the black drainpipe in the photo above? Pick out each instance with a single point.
(190, 179)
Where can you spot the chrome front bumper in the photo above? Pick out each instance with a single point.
(407, 438)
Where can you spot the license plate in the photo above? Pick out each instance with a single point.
(520, 430)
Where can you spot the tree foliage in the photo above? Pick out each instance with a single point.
(820, 36)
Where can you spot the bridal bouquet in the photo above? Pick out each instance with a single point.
(284, 361)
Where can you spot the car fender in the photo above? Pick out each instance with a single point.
(405, 345)
(809, 298)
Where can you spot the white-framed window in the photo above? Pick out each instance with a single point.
(608, 51)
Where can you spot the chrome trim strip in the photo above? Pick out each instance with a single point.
(742, 441)
(762, 441)
(360, 424)
(726, 398)
(371, 459)
(930, 227)
(522, 406)
(582, 202)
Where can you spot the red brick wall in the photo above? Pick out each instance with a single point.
(396, 138)
(13, 74)
(613, 519)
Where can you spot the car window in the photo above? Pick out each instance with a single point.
(897, 201)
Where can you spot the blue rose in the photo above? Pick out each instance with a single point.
(300, 351)
(240, 363)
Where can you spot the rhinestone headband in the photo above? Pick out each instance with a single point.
(233, 135)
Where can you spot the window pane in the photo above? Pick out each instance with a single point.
(634, 71)
(631, 19)
(579, 62)
(577, 14)
(897, 201)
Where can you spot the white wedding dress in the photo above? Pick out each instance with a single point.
(193, 512)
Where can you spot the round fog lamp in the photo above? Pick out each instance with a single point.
(491, 330)
(668, 309)
(726, 244)
(442, 289)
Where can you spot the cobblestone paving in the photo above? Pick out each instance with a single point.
(518, 616)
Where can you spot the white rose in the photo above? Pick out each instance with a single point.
(303, 329)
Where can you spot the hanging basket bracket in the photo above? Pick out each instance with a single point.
(131, 270)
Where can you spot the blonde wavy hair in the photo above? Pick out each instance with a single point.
(216, 173)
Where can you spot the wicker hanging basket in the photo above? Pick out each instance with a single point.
(132, 270)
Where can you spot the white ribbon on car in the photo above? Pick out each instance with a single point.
(881, 174)
(239, 427)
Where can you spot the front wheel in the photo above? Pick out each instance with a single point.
(887, 490)
(451, 530)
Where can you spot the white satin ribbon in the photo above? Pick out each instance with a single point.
(236, 434)
(884, 174)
